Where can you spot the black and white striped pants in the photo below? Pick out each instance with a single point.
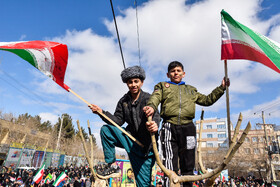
(178, 142)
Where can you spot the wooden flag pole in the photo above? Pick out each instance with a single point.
(227, 103)
(107, 118)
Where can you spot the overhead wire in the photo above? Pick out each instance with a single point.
(268, 106)
(138, 36)
(273, 111)
(112, 7)
(266, 109)
(27, 92)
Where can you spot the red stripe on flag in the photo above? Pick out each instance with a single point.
(61, 58)
(240, 51)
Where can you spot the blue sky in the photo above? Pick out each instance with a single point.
(187, 31)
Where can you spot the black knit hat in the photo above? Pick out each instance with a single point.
(133, 72)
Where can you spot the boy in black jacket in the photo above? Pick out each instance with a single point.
(130, 110)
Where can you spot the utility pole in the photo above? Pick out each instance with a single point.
(270, 164)
(59, 134)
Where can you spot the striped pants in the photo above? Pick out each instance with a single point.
(178, 142)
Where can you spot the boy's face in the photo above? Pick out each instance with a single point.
(134, 85)
(176, 74)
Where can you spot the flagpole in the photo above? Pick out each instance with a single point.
(227, 103)
(107, 118)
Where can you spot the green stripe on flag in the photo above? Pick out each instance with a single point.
(226, 16)
(23, 54)
(271, 50)
(268, 47)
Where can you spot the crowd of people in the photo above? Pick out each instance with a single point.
(249, 181)
(81, 177)
(76, 177)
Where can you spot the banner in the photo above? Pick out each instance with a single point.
(13, 157)
(74, 161)
(61, 160)
(26, 157)
(55, 159)
(67, 160)
(48, 159)
(127, 178)
(37, 159)
(79, 161)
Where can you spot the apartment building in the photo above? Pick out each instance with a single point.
(214, 133)
(253, 153)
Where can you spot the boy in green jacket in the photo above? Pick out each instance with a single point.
(178, 133)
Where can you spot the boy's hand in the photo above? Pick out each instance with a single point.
(225, 83)
(95, 109)
(149, 111)
(152, 126)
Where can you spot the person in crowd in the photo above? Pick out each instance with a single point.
(178, 132)
(129, 110)
(77, 182)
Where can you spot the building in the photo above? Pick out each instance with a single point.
(214, 133)
(253, 153)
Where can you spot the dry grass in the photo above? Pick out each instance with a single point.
(28, 134)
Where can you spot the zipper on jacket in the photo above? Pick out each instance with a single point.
(180, 102)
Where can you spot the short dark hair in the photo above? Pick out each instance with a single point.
(175, 64)
(129, 170)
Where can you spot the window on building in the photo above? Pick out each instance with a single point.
(222, 145)
(247, 139)
(221, 126)
(255, 139)
(209, 126)
(256, 151)
(261, 139)
(209, 144)
(222, 135)
(209, 135)
(247, 150)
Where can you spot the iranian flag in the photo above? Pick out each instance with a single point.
(60, 178)
(39, 175)
(240, 42)
(48, 57)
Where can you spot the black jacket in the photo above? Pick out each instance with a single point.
(134, 116)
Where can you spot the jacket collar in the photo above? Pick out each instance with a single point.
(139, 98)
(180, 83)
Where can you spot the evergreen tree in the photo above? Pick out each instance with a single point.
(46, 126)
(93, 140)
(67, 129)
(84, 133)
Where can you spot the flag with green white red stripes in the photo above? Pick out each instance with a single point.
(240, 42)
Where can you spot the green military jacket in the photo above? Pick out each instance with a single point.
(178, 101)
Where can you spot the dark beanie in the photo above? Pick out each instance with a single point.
(133, 72)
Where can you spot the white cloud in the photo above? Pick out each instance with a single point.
(94, 67)
(49, 117)
(169, 30)
(22, 37)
